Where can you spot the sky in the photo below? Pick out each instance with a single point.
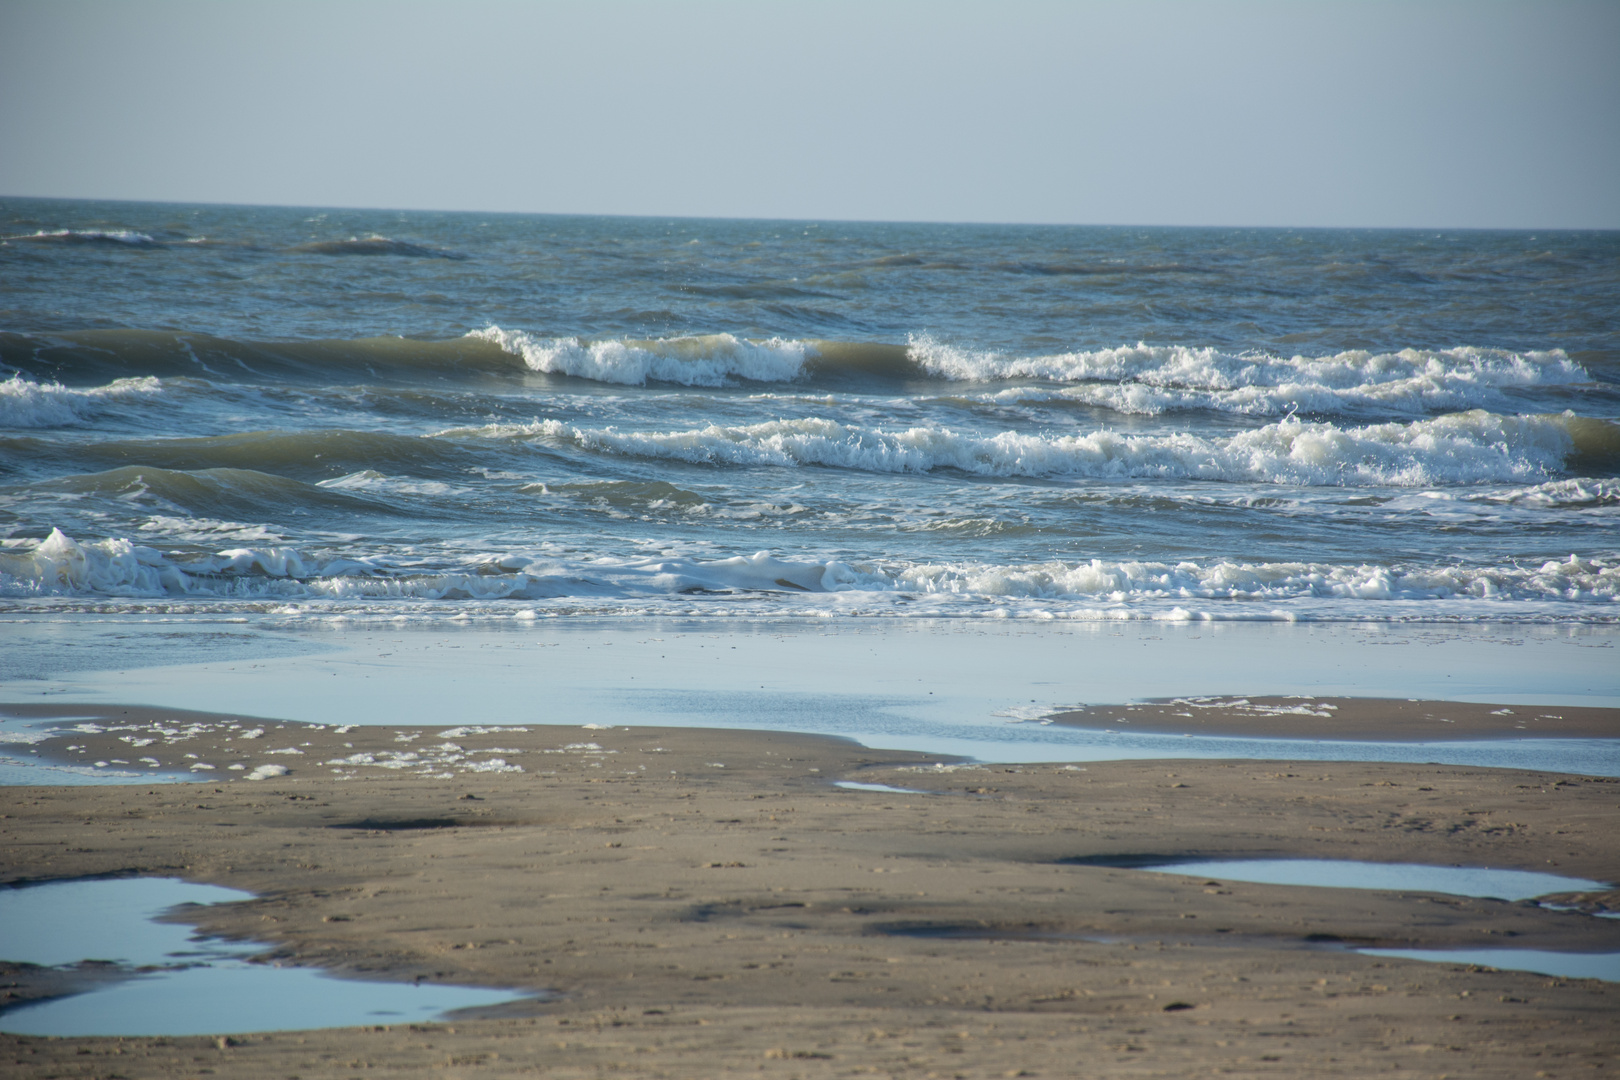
(1362, 113)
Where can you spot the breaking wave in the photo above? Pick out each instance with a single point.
(1137, 380)
(1140, 379)
(60, 566)
(702, 360)
(1154, 379)
(1463, 448)
(28, 404)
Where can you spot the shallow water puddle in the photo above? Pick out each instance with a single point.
(178, 983)
(1562, 965)
(1350, 874)
(856, 785)
(1559, 965)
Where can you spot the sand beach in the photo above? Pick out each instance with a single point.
(690, 903)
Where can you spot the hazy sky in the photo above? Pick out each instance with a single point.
(1300, 113)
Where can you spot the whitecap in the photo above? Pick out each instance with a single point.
(1096, 588)
(28, 404)
(1153, 379)
(701, 360)
(1461, 448)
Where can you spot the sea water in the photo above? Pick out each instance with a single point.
(974, 688)
(306, 413)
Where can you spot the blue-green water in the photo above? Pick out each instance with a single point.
(226, 409)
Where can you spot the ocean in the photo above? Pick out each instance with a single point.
(418, 416)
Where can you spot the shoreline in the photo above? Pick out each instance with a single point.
(706, 901)
(129, 740)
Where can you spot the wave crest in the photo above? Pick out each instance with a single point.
(102, 237)
(1463, 448)
(1153, 379)
(700, 360)
(28, 404)
(376, 245)
(61, 566)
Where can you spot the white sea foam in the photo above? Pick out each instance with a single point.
(1462, 448)
(704, 360)
(1211, 369)
(116, 567)
(206, 530)
(28, 404)
(60, 566)
(1153, 379)
(26, 737)
(1131, 582)
(1581, 492)
(372, 480)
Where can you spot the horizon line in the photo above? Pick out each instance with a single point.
(815, 220)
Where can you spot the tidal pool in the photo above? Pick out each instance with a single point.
(1560, 965)
(857, 785)
(179, 983)
(1350, 874)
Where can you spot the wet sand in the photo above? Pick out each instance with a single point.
(704, 903)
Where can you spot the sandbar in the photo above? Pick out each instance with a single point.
(1346, 718)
